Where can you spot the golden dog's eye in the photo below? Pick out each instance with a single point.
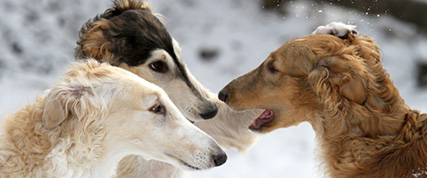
(159, 66)
(271, 67)
(158, 109)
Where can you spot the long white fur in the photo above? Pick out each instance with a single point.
(107, 119)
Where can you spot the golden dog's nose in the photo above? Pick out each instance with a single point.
(223, 95)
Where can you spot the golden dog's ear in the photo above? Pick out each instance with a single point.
(337, 76)
(95, 40)
(63, 102)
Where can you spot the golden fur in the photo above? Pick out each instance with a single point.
(364, 128)
(95, 116)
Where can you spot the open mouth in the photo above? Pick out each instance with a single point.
(264, 119)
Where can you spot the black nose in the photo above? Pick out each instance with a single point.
(219, 159)
(223, 95)
(210, 112)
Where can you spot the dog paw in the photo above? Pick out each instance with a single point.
(338, 29)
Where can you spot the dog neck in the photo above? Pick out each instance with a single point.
(91, 155)
(108, 165)
(355, 138)
(99, 152)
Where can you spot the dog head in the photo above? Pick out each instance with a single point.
(130, 36)
(303, 79)
(127, 115)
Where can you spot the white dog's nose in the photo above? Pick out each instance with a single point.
(219, 159)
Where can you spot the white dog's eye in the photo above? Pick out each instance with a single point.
(159, 66)
(158, 109)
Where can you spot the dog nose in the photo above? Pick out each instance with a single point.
(219, 159)
(223, 95)
(210, 112)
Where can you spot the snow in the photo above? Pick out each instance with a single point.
(38, 38)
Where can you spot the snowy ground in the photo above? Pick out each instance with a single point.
(38, 37)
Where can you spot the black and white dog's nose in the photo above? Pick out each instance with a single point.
(210, 112)
(223, 95)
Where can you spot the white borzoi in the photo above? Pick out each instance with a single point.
(94, 117)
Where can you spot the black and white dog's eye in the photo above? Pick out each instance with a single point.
(159, 66)
(271, 68)
(158, 109)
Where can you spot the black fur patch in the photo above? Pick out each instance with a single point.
(138, 33)
(135, 34)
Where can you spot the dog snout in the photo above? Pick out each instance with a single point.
(223, 95)
(209, 112)
(219, 159)
(218, 156)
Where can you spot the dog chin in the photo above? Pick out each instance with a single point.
(182, 164)
(186, 166)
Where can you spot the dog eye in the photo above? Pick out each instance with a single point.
(159, 66)
(271, 68)
(158, 109)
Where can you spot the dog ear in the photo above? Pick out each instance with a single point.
(63, 102)
(95, 40)
(338, 77)
(53, 113)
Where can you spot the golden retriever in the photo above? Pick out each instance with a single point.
(339, 86)
(95, 116)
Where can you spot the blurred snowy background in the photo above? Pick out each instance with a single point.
(220, 39)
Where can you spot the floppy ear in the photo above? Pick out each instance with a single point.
(338, 77)
(95, 40)
(61, 103)
(53, 113)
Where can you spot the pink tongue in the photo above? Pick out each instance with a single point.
(255, 125)
(264, 118)
(266, 114)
